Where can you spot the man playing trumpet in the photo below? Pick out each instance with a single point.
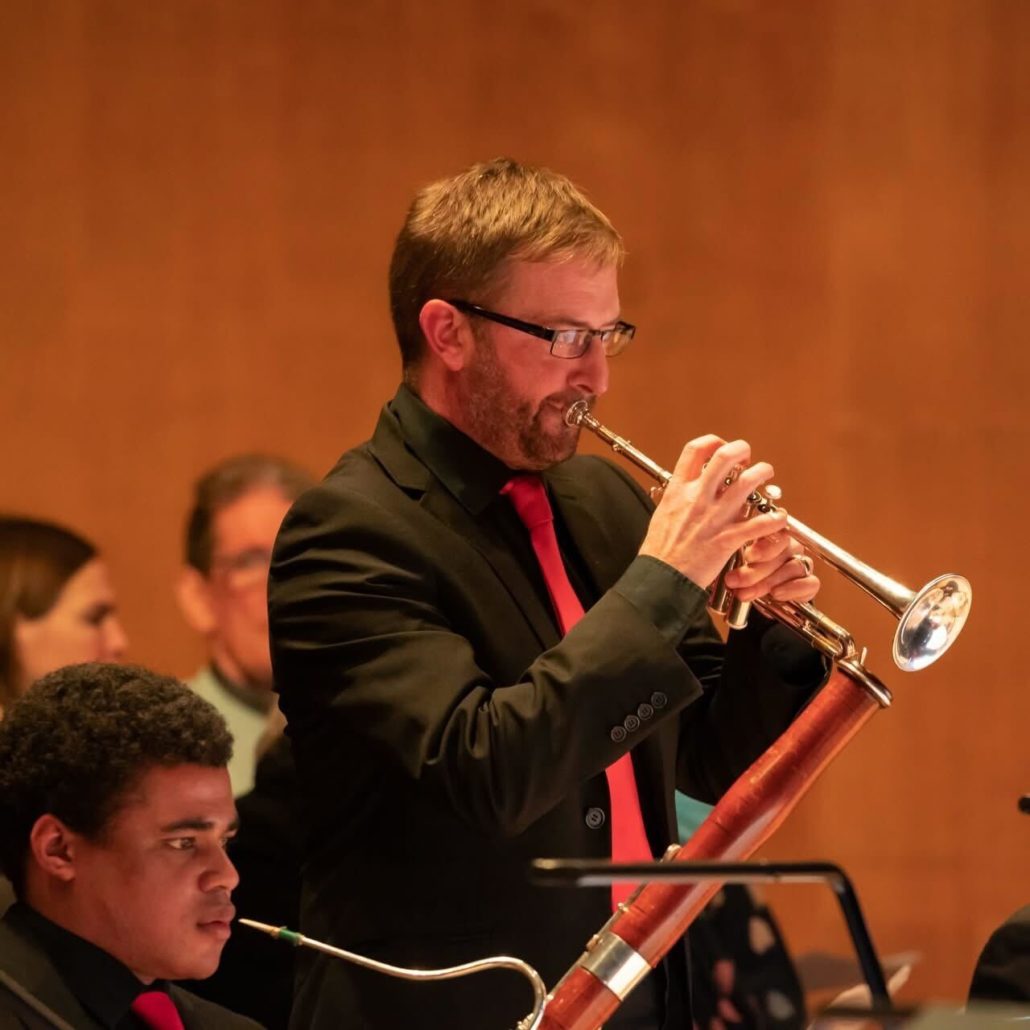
(490, 650)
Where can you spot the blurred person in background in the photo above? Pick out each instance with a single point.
(237, 508)
(57, 607)
(57, 604)
(741, 971)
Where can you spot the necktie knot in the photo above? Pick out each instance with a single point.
(528, 496)
(157, 1010)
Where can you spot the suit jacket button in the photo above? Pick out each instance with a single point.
(618, 734)
(645, 711)
(594, 818)
(632, 723)
(658, 699)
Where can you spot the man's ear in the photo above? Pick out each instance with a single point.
(448, 334)
(52, 848)
(194, 599)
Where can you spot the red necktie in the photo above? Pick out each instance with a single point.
(157, 1010)
(529, 498)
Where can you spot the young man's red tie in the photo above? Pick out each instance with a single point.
(157, 1010)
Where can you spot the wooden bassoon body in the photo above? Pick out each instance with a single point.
(645, 927)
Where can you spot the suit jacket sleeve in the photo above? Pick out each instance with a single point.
(752, 686)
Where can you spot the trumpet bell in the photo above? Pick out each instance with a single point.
(931, 622)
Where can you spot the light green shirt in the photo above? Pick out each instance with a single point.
(246, 723)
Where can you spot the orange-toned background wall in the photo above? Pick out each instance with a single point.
(828, 219)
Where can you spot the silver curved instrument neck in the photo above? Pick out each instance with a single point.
(298, 940)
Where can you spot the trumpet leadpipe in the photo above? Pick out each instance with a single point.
(579, 415)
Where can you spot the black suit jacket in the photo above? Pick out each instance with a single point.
(25, 963)
(445, 734)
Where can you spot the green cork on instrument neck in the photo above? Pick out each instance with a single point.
(280, 933)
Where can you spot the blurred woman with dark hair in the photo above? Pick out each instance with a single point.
(57, 606)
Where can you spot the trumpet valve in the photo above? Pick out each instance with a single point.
(767, 499)
(720, 598)
(737, 616)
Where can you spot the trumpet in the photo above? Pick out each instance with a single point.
(929, 619)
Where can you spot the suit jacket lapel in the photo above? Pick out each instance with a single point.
(32, 970)
(408, 472)
(597, 547)
(594, 540)
(498, 556)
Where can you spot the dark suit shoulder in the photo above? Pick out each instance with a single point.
(355, 469)
(357, 457)
(357, 485)
(199, 1014)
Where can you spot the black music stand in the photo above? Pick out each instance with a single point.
(594, 873)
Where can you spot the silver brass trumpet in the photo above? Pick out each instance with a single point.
(929, 619)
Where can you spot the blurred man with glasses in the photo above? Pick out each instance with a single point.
(488, 649)
(237, 508)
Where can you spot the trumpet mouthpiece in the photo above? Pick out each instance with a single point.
(574, 416)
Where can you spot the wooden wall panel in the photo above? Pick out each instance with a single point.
(829, 229)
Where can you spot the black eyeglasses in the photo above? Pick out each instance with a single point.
(565, 343)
